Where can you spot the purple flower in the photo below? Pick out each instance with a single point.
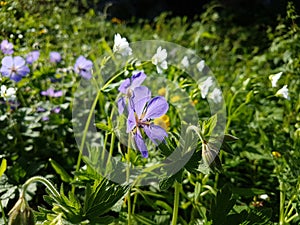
(55, 57)
(56, 110)
(83, 67)
(142, 111)
(7, 47)
(127, 88)
(52, 93)
(32, 56)
(14, 68)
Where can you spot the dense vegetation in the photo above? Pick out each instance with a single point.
(258, 181)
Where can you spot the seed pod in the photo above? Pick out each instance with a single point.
(21, 213)
(210, 157)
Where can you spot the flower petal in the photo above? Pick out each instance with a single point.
(140, 145)
(140, 96)
(123, 87)
(121, 105)
(137, 79)
(15, 77)
(157, 107)
(131, 123)
(22, 71)
(7, 61)
(155, 133)
(19, 62)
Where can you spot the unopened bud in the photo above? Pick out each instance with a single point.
(210, 156)
(21, 213)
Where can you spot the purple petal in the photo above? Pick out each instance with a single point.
(55, 57)
(85, 74)
(15, 77)
(137, 79)
(6, 72)
(121, 105)
(123, 87)
(131, 123)
(18, 62)
(157, 107)
(40, 109)
(57, 94)
(155, 133)
(141, 95)
(32, 57)
(22, 71)
(7, 61)
(56, 109)
(140, 145)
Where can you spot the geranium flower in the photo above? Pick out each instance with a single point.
(8, 93)
(159, 59)
(142, 111)
(204, 86)
(7, 47)
(274, 78)
(83, 67)
(52, 93)
(14, 68)
(55, 57)
(32, 56)
(127, 88)
(121, 46)
(283, 92)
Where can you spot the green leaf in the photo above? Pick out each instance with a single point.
(60, 171)
(103, 126)
(101, 197)
(229, 137)
(3, 167)
(222, 205)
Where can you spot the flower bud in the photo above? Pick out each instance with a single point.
(21, 213)
(210, 156)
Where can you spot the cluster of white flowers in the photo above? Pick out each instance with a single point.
(284, 91)
(159, 59)
(121, 46)
(8, 93)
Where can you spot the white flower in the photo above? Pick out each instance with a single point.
(274, 78)
(283, 92)
(159, 59)
(216, 95)
(200, 65)
(185, 62)
(121, 46)
(7, 93)
(204, 86)
(264, 197)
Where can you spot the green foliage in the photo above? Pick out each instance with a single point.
(264, 160)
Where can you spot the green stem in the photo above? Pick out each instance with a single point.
(87, 124)
(282, 200)
(3, 214)
(129, 207)
(42, 180)
(176, 203)
(127, 179)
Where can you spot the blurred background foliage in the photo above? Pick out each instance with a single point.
(242, 42)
